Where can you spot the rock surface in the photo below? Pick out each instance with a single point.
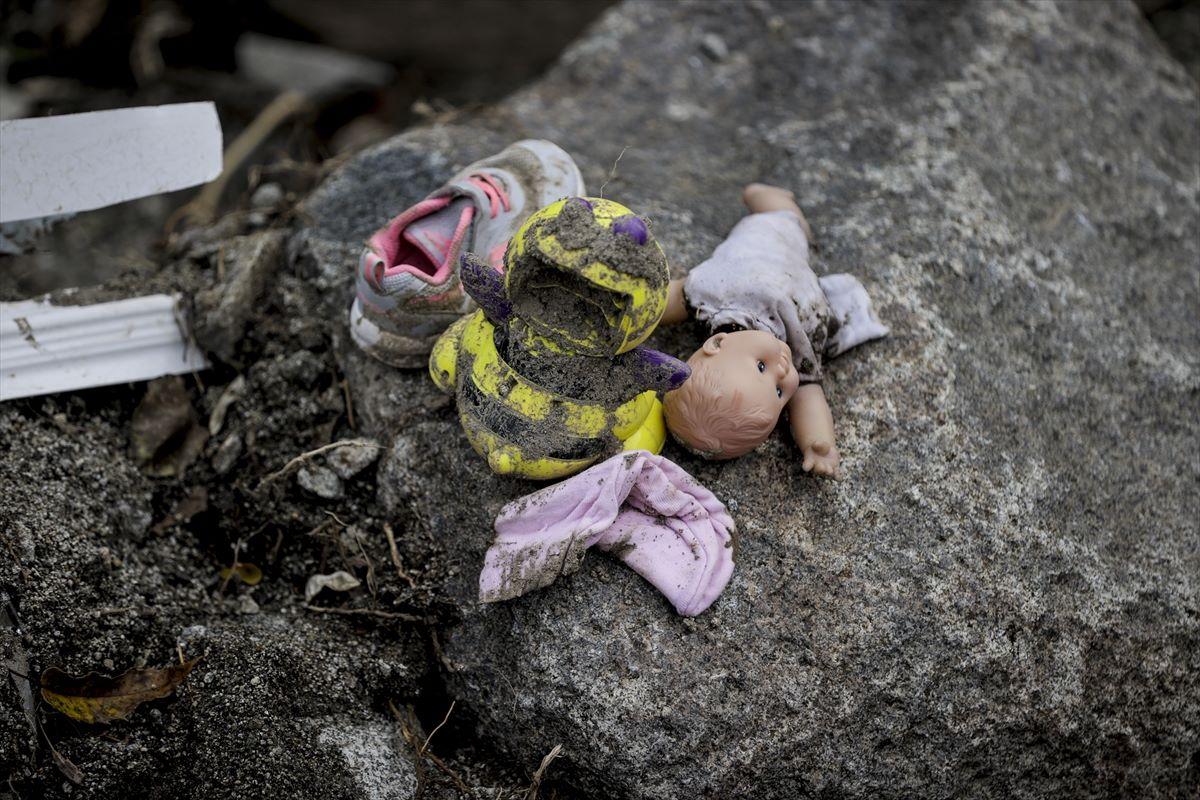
(1000, 598)
(281, 705)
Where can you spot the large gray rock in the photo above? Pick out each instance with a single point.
(999, 599)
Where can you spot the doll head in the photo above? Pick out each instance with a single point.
(739, 385)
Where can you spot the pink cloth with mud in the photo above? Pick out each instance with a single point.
(641, 508)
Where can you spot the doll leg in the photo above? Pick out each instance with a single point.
(760, 197)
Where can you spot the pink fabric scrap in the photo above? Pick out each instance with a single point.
(641, 508)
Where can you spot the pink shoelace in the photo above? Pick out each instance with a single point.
(494, 190)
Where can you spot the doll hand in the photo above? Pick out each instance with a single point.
(822, 458)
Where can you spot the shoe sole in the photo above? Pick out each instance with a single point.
(405, 352)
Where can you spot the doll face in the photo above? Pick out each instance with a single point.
(755, 363)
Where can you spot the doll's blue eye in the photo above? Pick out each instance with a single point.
(762, 367)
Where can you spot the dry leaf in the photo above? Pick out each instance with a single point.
(67, 767)
(228, 397)
(245, 572)
(190, 506)
(338, 581)
(97, 698)
(166, 434)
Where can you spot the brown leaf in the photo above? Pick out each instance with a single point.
(97, 698)
(166, 434)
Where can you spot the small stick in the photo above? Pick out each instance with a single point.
(391, 537)
(613, 172)
(368, 612)
(203, 208)
(311, 454)
(411, 739)
(536, 784)
(349, 404)
(446, 718)
(237, 549)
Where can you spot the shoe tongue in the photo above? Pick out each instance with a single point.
(433, 235)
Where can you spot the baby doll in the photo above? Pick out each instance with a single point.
(774, 324)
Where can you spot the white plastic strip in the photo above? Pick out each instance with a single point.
(78, 162)
(46, 348)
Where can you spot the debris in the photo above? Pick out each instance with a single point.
(339, 581)
(247, 604)
(190, 506)
(17, 665)
(369, 612)
(96, 698)
(79, 162)
(244, 571)
(315, 71)
(223, 312)
(19, 237)
(66, 766)
(399, 564)
(714, 47)
(267, 197)
(166, 433)
(47, 348)
(320, 481)
(232, 393)
(311, 454)
(227, 454)
(410, 727)
(203, 209)
(536, 783)
(352, 459)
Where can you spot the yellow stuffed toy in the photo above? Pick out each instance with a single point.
(549, 374)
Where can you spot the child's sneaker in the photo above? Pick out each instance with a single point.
(408, 287)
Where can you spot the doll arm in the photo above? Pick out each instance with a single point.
(486, 287)
(655, 370)
(811, 422)
(677, 307)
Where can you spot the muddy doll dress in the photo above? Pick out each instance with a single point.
(759, 278)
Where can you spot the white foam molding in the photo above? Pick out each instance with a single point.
(78, 162)
(47, 348)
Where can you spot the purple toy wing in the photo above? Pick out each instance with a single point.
(486, 287)
(654, 370)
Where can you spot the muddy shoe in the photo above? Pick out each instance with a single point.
(408, 286)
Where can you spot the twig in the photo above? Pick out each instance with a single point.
(536, 783)
(349, 404)
(368, 612)
(439, 652)
(444, 767)
(445, 719)
(311, 454)
(612, 173)
(372, 586)
(411, 739)
(391, 537)
(237, 547)
(203, 208)
(18, 665)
